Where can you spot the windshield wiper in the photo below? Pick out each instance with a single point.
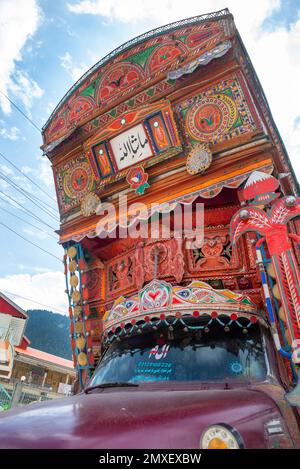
(109, 385)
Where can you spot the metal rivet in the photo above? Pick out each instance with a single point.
(244, 214)
(290, 201)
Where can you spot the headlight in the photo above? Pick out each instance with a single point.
(221, 436)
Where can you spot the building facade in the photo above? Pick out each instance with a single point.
(42, 374)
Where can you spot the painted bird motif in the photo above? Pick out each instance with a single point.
(118, 82)
(209, 121)
(136, 178)
(79, 180)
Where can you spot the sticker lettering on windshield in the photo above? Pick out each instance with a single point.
(153, 371)
(158, 355)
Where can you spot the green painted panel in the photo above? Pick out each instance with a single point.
(181, 38)
(150, 91)
(227, 91)
(90, 90)
(141, 57)
(237, 123)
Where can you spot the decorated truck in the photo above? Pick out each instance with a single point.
(180, 223)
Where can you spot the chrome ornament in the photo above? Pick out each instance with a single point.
(199, 159)
(290, 201)
(244, 214)
(89, 204)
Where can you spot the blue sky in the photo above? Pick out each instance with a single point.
(47, 45)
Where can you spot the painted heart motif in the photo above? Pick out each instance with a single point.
(211, 242)
(214, 250)
(154, 295)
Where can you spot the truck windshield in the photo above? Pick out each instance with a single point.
(178, 355)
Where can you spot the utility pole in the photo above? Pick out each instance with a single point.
(17, 392)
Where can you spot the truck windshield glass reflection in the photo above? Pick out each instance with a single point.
(177, 355)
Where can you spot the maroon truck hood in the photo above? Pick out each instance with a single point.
(137, 418)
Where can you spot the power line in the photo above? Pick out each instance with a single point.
(50, 207)
(7, 196)
(24, 193)
(30, 242)
(21, 112)
(25, 175)
(11, 181)
(33, 301)
(27, 222)
(31, 214)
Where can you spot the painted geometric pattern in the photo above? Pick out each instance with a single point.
(74, 180)
(131, 69)
(273, 227)
(160, 296)
(218, 114)
(207, 193)
(156, 124)
(154, 92)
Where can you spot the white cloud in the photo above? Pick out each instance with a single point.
(276, 58)
(75, 71)
(50, 107)
(4, 186)
(25, 88)
(19, 21)
(47, 288)
(26, 170)
(165, 11)
(6, 170)
(40, 269)
(35, 233)
(42, 175)
(44, 172)
(43, 270)
(11, 133)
